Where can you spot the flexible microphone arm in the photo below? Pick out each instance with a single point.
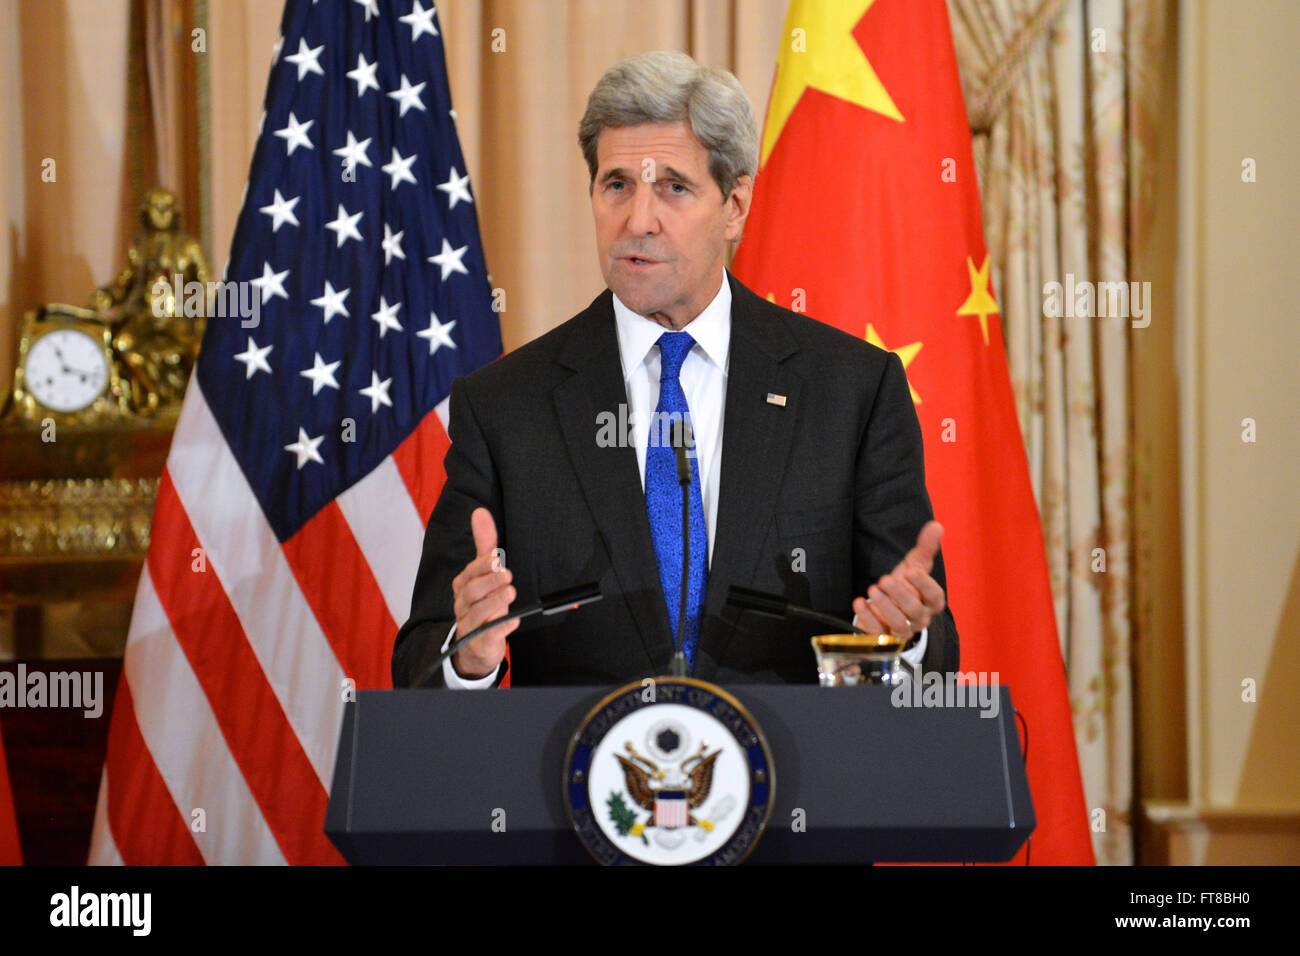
(760, 602)
(557, 602)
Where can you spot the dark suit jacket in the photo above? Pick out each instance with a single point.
(837, 472)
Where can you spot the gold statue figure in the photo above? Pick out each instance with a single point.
(156, 335)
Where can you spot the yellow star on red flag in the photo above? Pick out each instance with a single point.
(980, 302)
(820, 52)
(904, 352)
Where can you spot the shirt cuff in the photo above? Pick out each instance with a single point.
(916, 652)
(454, 680)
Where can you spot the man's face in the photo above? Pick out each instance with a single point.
(662, 223)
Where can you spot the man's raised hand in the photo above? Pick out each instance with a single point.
(906, 599)
(482, 591)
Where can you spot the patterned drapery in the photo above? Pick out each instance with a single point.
(1062, 96)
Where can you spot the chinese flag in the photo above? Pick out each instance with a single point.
(866, 215)
(11, 853)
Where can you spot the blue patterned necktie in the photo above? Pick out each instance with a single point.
(663, 498)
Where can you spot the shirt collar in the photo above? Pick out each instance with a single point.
(711, 330)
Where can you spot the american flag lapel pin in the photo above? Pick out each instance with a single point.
(775, 399)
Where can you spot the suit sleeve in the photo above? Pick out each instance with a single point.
(891, 503)
(471, 482)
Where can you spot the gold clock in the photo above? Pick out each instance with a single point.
(66, 368)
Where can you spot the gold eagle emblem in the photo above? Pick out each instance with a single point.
(645, 779)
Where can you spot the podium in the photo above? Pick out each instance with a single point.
(475, 777)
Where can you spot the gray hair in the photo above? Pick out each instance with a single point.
(669, 87)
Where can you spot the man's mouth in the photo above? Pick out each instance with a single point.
(640, 261)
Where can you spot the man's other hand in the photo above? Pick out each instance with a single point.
(906, 599)
(482, 591)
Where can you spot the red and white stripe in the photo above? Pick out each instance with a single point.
(671, 813)
(224, 731)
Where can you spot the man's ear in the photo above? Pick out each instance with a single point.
(742, 194)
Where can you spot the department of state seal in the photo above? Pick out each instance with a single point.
(669, 771)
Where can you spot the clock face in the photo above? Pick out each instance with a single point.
(66, 370)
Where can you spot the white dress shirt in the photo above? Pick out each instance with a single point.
(703, 378)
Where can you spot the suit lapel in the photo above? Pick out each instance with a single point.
(756, 440)
(608, 476)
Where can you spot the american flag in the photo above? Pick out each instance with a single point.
(308, 453)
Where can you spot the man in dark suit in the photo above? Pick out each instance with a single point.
(807, 472)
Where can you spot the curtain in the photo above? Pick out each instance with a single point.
(1063, 96)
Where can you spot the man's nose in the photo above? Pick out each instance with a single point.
(643, 218)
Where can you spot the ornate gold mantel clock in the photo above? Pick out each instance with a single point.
(131, 353)
(67, 370)
(85, 431)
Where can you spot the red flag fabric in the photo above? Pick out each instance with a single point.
(866, 215)
(11, 853)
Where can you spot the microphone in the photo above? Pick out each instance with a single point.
(678, 667)
(760, 602)
(557, 602)
(681, 439)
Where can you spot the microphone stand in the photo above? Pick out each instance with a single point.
(770, 605)
(679, 666)
(557, 602)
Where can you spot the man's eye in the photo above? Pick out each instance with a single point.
(678, 189)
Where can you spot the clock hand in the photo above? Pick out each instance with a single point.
(66, 368)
